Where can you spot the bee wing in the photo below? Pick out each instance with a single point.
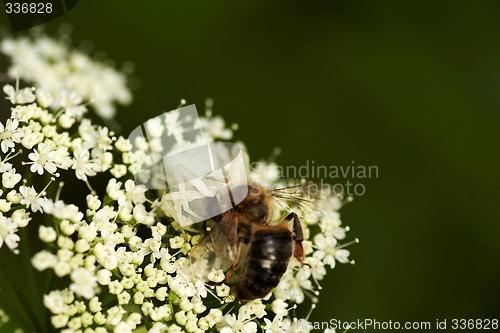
(311, 198)
(306, 196)
(221, 245)
(301, 193)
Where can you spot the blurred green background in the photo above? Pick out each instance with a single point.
(412, 87)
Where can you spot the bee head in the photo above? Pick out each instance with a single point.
(255, 205)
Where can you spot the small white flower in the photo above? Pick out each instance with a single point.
(123, 327)
(10, 178)
(215, 127)
(317, 268)
(279, 307)
(102, 160)
(275, 326)
(55, 301)
(82, 164)
(328, 251)
(84, 283)
(47, 234)
(31, 199)
(104, 277)
(61, 210)
(93, 202)
(134, 194)
(43, 158)
(16, 96)
(31, 139)
(176, 243)
(71, 102)
(222, 290)
(114, 189)
(115, 315)
(265, 174)
(252, 308)
(24, 113)
(44, 98)
(174, 126)
(296, 326)
(8, 234)
(181, 287)
(118, 170)
(106, 256)
(43, 260)
(4, 166)
(142, 216)
(9, 134)
(151, 246)
(5, 205)
(161, 328)
(123, 144)
(216, 275)
(342, 255)
(20, 217)
(95, 305)
(236, 324)
(154, 128)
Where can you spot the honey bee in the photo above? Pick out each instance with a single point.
(246, 232)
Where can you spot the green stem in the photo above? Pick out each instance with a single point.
(24, 302)
(11, 312)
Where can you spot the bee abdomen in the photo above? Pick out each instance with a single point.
(267, 260)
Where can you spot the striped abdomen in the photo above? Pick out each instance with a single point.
(269, 252)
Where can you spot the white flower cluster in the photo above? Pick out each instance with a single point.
(121, 259)
(66, 75)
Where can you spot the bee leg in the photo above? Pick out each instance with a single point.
(229, 274)
(231, 270)
(298, 236)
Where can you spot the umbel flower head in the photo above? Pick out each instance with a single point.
(65, 77)
(120, 261)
